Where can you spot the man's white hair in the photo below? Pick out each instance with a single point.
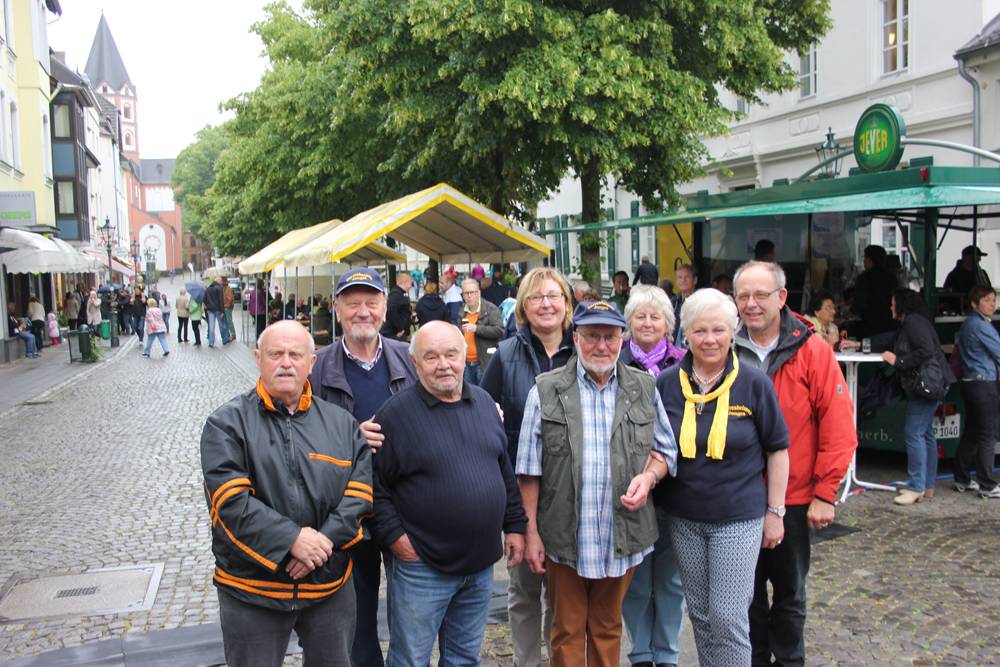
(773, 267)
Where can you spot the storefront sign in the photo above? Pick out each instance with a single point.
(17, 209)
(878, 144)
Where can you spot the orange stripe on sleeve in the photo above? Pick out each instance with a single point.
(226, 496)
(359, 494)
(242, 481)
(357, 538)
(329, 459)
(361, 486)
(248, 551)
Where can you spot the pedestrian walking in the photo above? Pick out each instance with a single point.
(360, 373)
(195, 311)
(216, 312)
(165, 308)
(258, 307)
(646, 273)
(156, 329)
(818, 411)
(398, 311)
(71, 308)
(543, 343)
(722, 510)
(284, 519)
(584, 473)
(124, 312)
(138, 303)
(228, 300)
(52, 324)
(431, 306)
(183, 314)
(36, 316)
(979, 348)
(93, 311)
(445, 491)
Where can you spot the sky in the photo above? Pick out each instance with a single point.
(184, 57)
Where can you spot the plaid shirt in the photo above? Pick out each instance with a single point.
(595, 532)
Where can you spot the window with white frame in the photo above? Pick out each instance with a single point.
(4, 127)
(15, 136)
(66, 197)
(46, 147)
(807, 72)
(742, 107)
(895, 35)
(62, 121)
(127, 111)
(8, 23)
(128, 140)
(40, 33)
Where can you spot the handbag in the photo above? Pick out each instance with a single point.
(929, 381)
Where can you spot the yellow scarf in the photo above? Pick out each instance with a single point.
(689, 426)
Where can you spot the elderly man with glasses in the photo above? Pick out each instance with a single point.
(594, 440)
(483, 329)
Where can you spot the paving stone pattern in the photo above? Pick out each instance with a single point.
(107, 474)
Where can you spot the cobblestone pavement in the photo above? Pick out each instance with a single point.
(106, 474)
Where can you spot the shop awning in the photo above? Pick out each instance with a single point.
(900, 199)
(116, 266)
(440, 222)
(15, 239)
(57, 257)
(269, 256)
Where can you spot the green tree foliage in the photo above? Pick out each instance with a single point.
(369, 99)
(194, 174)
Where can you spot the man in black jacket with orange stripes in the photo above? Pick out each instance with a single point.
(288, 482)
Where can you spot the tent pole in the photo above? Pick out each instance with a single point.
(312, 305)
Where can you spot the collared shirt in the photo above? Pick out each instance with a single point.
(595, 532)
(475, 310)
(367, 365)
(979, 347)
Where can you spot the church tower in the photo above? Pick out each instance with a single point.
(109, 78)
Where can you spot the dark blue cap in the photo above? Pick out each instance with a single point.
(360, 278)
(598, 312)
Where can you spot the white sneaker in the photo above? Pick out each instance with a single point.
(992, 493)
(973, 485)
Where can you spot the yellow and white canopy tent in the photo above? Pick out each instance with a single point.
(440, 222)
(303, 281)
(267, 257)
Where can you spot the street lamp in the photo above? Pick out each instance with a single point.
(109, 231)
(134, 248)
(829, 155)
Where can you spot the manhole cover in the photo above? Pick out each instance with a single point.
(92, 593)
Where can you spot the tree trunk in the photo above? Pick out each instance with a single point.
(590, 242)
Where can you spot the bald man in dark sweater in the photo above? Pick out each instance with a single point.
(444, 491)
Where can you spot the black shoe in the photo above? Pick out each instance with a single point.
(647, 663)
(166, 354)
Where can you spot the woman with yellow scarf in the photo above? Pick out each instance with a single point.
(722, 509)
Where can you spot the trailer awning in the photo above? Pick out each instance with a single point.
(272, 254)
(440, 222)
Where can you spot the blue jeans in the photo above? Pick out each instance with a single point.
(653, 609)
(425, 604)
(139, 325)
(213, 317)
(921, 446)
(160, 336)
(30, 348)
(473, 372)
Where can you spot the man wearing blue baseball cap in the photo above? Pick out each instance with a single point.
(359, 373)
(594, 440)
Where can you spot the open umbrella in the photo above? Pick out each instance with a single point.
(196, 290)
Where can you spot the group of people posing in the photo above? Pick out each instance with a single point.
(623, 475)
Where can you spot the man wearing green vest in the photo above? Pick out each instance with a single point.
(585, 466)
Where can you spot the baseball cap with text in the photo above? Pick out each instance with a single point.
(598, 312)
(360, 278)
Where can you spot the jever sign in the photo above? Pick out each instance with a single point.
(878, 144)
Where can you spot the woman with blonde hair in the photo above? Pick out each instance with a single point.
(543, 342)
(155, 327)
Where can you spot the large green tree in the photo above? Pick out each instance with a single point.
(194, 174)
(542, 87)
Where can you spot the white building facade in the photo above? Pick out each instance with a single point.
(901, 52)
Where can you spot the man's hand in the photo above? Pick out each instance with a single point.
(534, 551)
(638, 489)
(468, 328)
(820, 514)
(297, 569)
(889, 358)
(311, 547)
(774, 531)
(513, 549)
(403, 550)
(372, 433)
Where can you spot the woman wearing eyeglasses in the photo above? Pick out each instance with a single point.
(729, 430)
(653, 609)
(542, 343)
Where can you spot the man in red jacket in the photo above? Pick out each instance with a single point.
(813, 396)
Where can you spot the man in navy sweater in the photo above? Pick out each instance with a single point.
(444, 491)
(359, 373)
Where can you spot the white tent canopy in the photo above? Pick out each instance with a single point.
(44, 255)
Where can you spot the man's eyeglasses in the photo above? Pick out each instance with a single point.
(594, 338)
(473, 292)
(758, 296)
(553, 297)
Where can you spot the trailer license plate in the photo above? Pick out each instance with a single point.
(948, 427)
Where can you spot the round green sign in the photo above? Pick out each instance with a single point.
(878, 144)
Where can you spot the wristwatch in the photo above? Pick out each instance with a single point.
(779, 510)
